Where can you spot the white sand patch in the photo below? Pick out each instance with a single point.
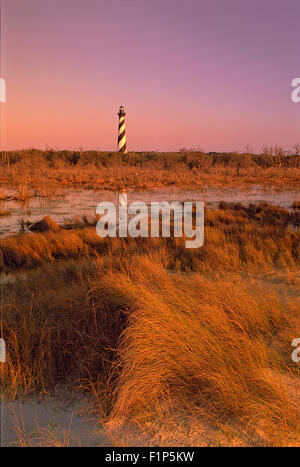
(50, 421)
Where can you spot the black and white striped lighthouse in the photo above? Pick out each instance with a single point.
(122, 134)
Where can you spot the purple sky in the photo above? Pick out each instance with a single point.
(211, 74)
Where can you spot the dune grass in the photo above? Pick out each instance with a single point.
(170, 339)
(216, 348)
(151, 343)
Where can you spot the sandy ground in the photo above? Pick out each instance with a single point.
(66, 421)
(50, 421)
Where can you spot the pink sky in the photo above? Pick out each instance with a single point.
(211, 74)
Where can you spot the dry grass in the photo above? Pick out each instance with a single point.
(216, 348)
(43, 173)
(164, 337)
(236, 237)
(55, 332)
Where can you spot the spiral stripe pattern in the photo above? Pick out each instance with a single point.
(122, 133)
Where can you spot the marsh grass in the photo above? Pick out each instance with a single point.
(43, 173)
(236, 237)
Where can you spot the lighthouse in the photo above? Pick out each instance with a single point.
(121, 133)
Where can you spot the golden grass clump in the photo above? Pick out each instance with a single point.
(203, 346)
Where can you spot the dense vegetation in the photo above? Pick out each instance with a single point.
(170, 339)
(33, 172)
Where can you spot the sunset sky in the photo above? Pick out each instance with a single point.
(213, 74)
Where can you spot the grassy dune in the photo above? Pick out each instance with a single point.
(43, 173)
(191, 346)
(217, 349)
(236, 236)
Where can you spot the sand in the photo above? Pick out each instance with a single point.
(50, 421)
